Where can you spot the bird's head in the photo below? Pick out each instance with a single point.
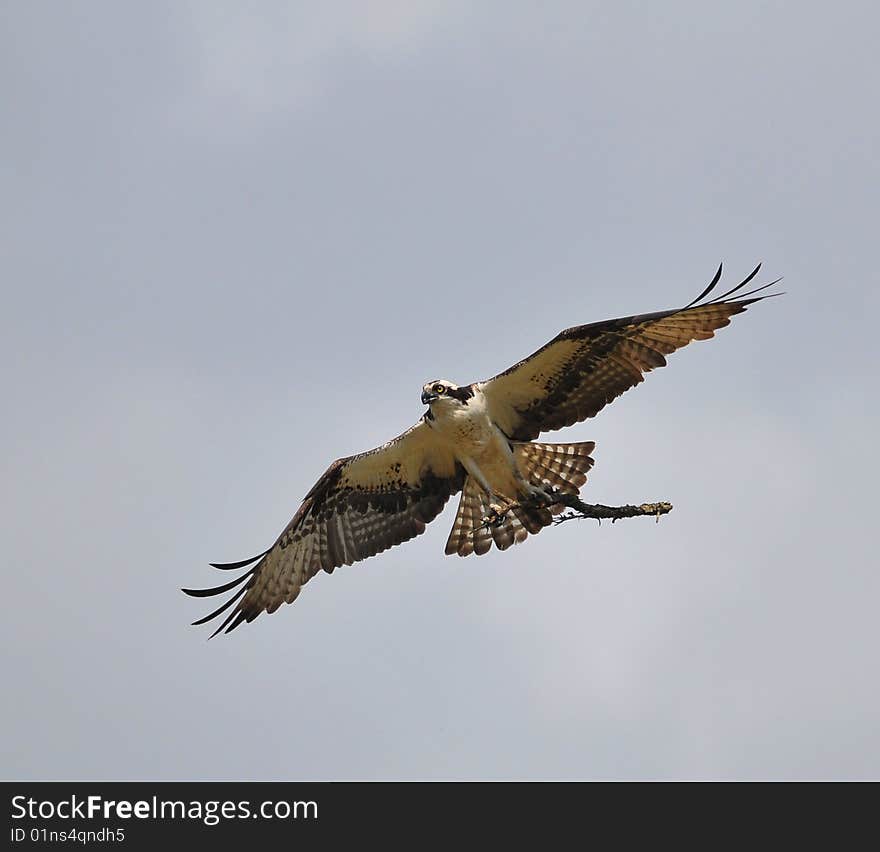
(444, 392)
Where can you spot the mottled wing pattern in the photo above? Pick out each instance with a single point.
(584, 368)
(560, 466)
(361, 506)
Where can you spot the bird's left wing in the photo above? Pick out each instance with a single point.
(362, 505)
(584, 368)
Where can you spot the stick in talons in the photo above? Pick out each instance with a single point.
(595, 511)
(600, 513)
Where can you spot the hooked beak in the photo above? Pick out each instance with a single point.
(428, 398)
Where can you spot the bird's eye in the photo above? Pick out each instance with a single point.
(439, 389)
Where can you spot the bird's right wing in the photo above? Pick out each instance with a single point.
(362, 505)
(584, 368)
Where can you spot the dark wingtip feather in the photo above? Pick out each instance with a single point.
(246, 578)
(709, 288)
(241, 617)
(745, 302)
(222, 608)
(236, 617)
(741, 298)
(231, 566)
(738, 287)
(217, 590)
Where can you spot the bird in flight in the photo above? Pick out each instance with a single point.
(477, 439)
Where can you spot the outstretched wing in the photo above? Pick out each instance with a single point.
(584, 368)
(361, 506)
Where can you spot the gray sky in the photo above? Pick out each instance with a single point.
(234, 244)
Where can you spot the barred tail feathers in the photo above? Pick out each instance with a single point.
(563, 467)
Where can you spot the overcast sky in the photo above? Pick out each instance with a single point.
(235, 241)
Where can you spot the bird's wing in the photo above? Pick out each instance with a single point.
(584, 368)
(362, 505)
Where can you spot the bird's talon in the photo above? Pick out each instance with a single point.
(495, 518)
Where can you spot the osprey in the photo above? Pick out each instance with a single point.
(477, 439)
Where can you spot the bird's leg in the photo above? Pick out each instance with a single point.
(536, 496)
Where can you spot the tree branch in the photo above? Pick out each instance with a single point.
(595, 511)
(598, 512)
